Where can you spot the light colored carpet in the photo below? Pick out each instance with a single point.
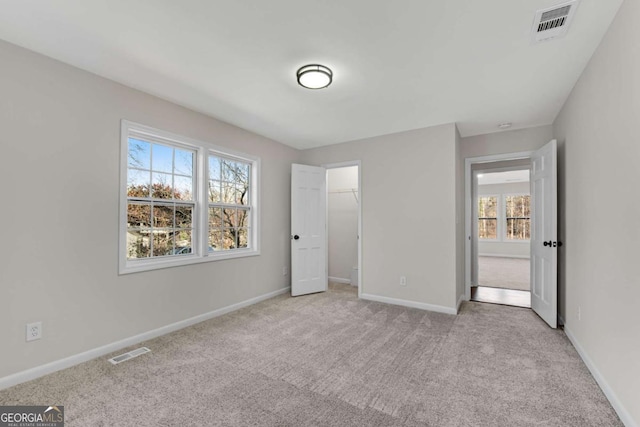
(506, 273)
(332, 360)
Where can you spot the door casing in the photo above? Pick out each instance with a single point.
(468, 205)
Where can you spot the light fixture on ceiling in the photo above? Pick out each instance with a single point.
(505, 125)
(314, 76)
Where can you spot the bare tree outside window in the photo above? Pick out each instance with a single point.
(518, 217)
(229, 204)
(488, 217)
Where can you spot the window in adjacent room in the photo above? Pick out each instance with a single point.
(488, 217)
(518, 217)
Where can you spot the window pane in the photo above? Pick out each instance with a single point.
(138, 244)
(229, 218)
(138, 215)
(137, 183)
(215, 218)
(139, 154)
(487, 217)
(487, 207)
(162, 217)
(243, 237)
(227, 170)
(161, 186)
(243, 218)
(241, 192)
(518, 229)
(184, 241)
(518, 206)
(214, 168)
(228, 193)
(163, 242)
(162, 158)
(526, 206)
(214, 191)
(236, 172)
(487, 228)
(215, 239)
(184, 162)
(246, 168)
(229, 238)
(517, 212)
(184, 216)
(245, 196)
(182, 250)
(183, 188)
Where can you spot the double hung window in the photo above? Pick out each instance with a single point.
(488, 217)
(518, 217)
(504, 217)
(184, 201)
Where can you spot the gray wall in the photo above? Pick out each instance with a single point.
(60, 168)
(506, 142)
(597, 130)
(408, 196)
(342, 220)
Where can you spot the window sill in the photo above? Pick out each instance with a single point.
(128, 267)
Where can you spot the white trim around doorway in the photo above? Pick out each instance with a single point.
(468, 206)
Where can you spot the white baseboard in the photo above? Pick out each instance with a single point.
(339, 280)
(462, 298)
(622, 412)
(67, 362)
(412, 304)
(506, 256)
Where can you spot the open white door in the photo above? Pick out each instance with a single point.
(544, 244)
(308, 229)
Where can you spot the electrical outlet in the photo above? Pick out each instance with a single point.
(403, 280)
(285, 270)
(34, 331)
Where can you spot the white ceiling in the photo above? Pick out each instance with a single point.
(397, 65)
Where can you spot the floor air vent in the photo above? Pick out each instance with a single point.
(553, 22)
(130, 355)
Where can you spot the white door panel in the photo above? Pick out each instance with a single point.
(308, 229)
(544, 234)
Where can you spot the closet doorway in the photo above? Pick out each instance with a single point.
(343, 225)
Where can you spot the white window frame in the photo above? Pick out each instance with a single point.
(200, 252)
(498, 224)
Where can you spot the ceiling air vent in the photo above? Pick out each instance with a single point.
(553, 22)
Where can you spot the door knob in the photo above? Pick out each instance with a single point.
(547, 243)
(552, 244)
(296, 237)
